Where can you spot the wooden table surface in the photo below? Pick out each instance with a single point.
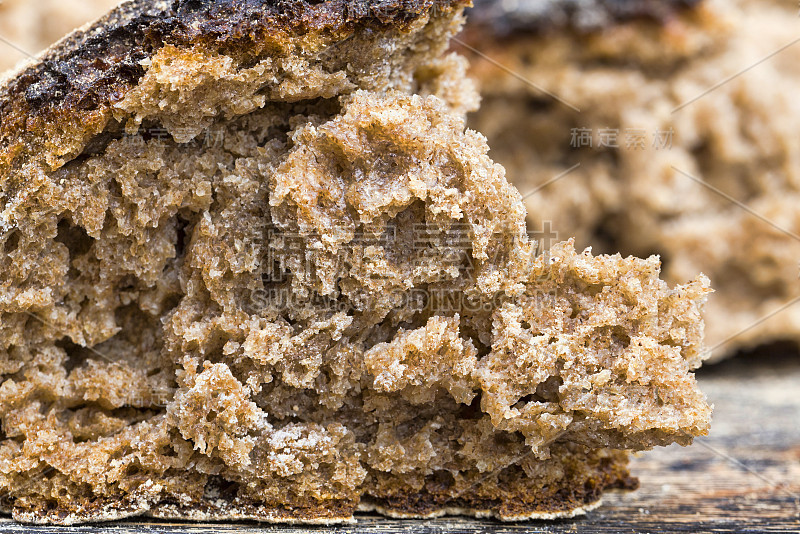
(743, 477)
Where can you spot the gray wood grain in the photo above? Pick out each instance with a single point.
(743, 477)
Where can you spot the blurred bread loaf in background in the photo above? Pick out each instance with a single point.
(664, 128)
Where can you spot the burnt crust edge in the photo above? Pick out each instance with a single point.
(71, 87)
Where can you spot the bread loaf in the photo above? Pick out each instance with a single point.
(254, 266)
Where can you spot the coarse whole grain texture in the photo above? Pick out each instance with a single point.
(254, 266)
(685, 141)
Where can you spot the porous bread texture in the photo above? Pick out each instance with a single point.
(289, 293)
(736, 142)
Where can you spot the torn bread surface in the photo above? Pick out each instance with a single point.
(256, 267)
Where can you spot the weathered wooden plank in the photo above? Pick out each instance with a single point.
(744, 477)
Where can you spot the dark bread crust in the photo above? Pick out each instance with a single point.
(530, 17)
(77, 80)
(93, 65)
